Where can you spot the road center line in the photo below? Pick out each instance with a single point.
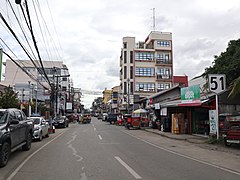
(100, 137)
(128, 168)
(185, 156)
(30, 156)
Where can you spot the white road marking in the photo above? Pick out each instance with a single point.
(30, 156)
(128, 168)
(100, 137)
(185, 156)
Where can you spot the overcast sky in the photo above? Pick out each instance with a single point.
(88, 34)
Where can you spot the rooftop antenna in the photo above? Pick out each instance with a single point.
(154, 20)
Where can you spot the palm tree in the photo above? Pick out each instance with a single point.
(235, 86)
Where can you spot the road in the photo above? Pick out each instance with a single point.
(99, 151)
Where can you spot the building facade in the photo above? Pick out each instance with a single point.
(146, 67)
(35, 86)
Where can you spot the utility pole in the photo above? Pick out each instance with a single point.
(30, 100)
(36, 107)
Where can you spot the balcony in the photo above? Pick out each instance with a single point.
(164, 77)
(163, 61)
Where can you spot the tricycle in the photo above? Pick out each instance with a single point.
(232, 135)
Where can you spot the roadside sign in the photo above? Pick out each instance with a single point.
(217, 83)
(213, 121)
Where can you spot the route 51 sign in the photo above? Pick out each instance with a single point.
(217, 82)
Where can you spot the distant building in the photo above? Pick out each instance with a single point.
(36, 86)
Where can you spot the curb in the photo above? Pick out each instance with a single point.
(181, 139)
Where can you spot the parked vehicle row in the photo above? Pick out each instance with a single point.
(18, 131)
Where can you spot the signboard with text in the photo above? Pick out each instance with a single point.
(190, 94)
(213, 121)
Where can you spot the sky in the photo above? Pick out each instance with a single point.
(87, 35)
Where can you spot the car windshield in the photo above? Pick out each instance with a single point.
(36, 120)
(3, 117)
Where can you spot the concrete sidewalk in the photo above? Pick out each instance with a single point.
(199, 139)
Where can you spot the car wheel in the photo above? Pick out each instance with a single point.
(4, 154)
(227, 143)
(27, 146)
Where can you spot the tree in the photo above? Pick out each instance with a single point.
(228, 63)
(8, 98)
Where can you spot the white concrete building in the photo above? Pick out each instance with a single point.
(36, 86)
(146, 67)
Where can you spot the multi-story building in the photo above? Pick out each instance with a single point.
(36, 86)
(146, 67)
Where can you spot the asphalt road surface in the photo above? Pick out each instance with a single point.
(99, 151)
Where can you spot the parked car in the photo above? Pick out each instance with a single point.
(232, 135)
(112, 118)
(60, 121)
(15, 132)
(40, 129)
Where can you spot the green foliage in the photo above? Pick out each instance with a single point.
(228, 63)
(8, 98)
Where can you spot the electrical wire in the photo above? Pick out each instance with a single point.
(35, 43)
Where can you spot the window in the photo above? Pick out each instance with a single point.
(160, 71)
(131, 72)
(125, 88)
(145, 71)
(64, 79)
(124, 45)
(145, 87)
(125, 72)
(159, 56)
(64, 88)
(144, 56)
(131, 56)
(167, 86)
(161, 86)
(131, 87)
(167, 71)
(163, 43)
(125, 56)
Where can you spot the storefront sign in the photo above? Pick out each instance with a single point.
(213, 121)
(190, 94)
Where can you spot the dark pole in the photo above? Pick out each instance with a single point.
(56, 100)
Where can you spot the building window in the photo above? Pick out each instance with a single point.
(145, 71)
(160, 71)
(131, 72)
(64, 88)
(125, 72)
(161, 86)
(125, 56)
(167, 86)
(147, 56)
(64, 79)
(131, 56)
(125, 45)
(125, 88)
(131, 87)
(164, 43)
(145, 87)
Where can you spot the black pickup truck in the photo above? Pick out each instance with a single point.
(15, 132)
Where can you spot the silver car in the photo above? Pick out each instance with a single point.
(41, 127)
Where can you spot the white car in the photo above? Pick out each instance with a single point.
(41, 127)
